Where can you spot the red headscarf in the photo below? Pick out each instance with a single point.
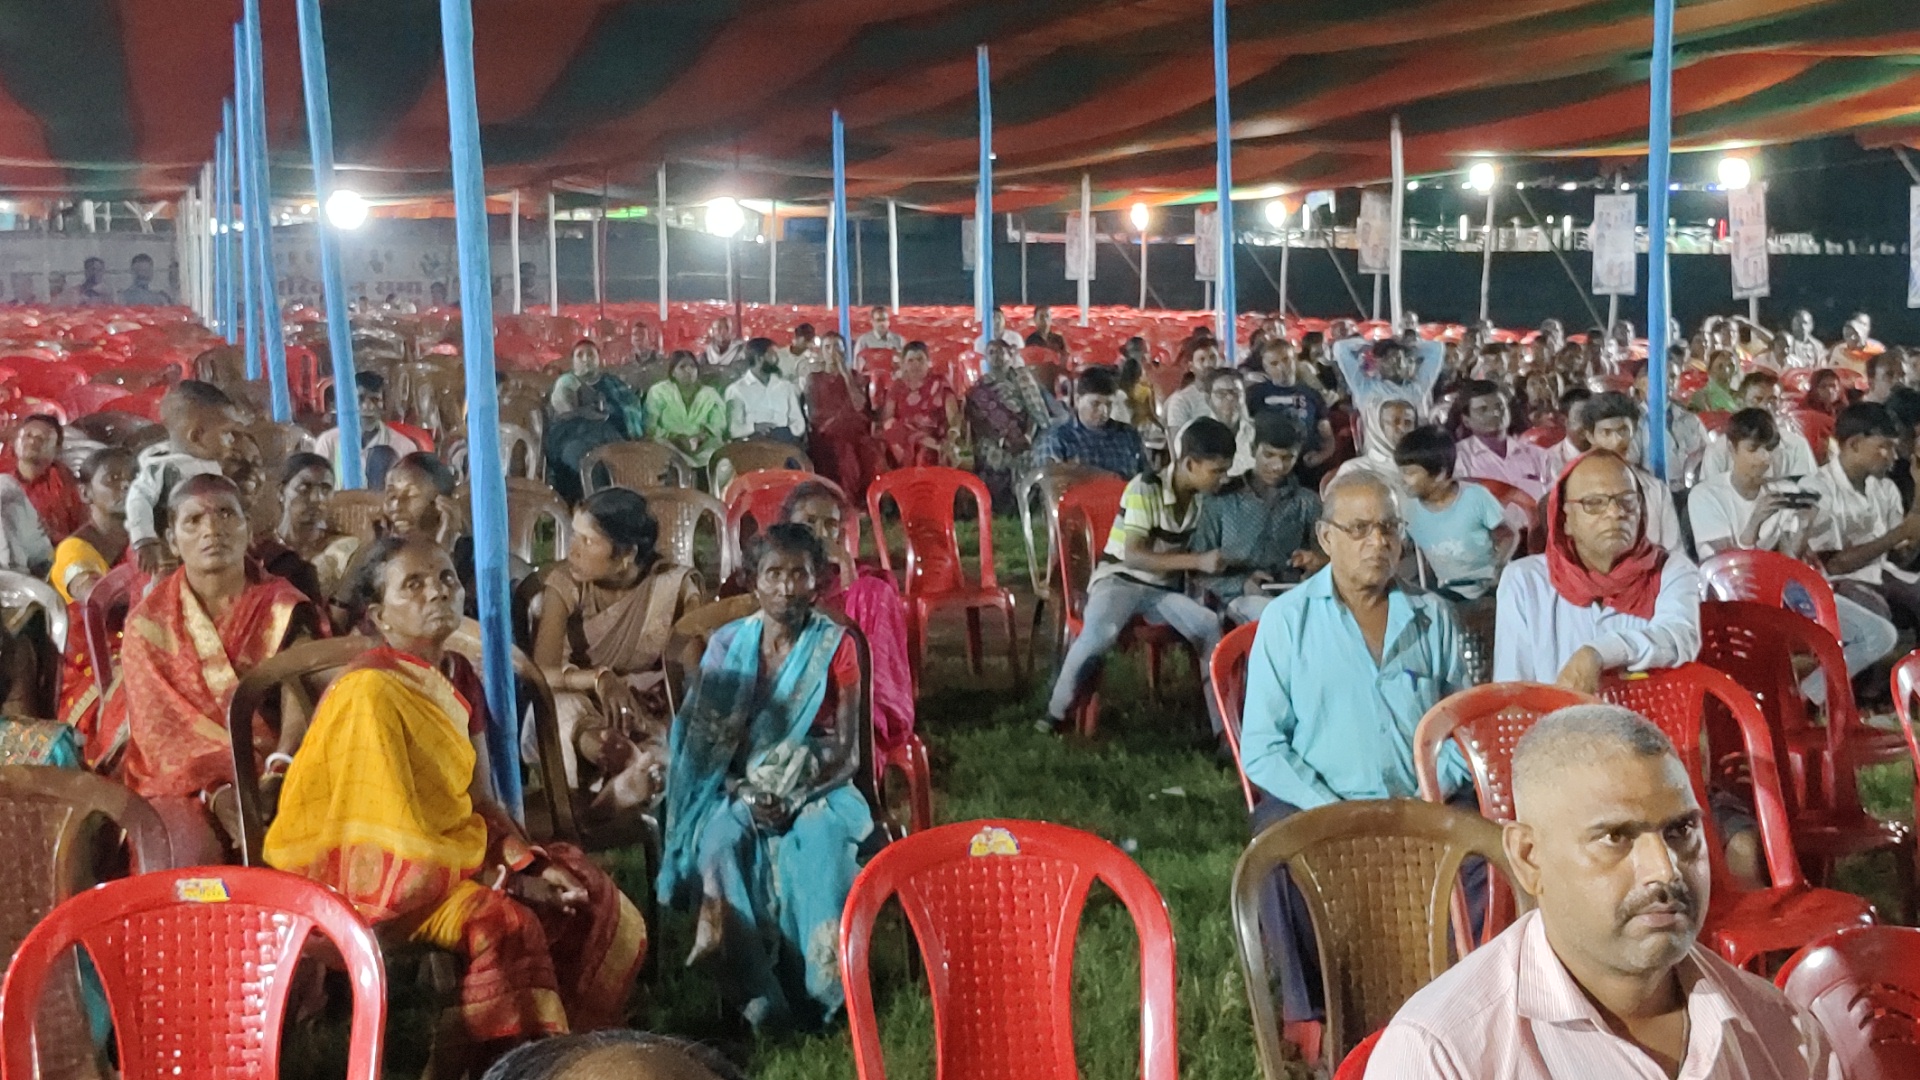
(1632, 587)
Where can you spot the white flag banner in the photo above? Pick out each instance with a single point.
(968, 228)
(1375, 232)
(1913, 247)
(1747, 231)
(1616, 270)
(1080, 262)
(1206, 243)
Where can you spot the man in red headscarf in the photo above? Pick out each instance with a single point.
(1603, 598)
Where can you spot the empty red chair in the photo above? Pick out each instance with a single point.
(1861, 985)
(995, 907)
(48, 381)
(1756, 644)
(759, 495)
(89, 398)
(1768, 577)
(934, 577)
(1743, 925)
(1229, 677)
(197, 965)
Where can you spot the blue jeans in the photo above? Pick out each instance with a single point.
(1114, 602)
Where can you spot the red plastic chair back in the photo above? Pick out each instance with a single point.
(1862, 985)
(925, 497)
(759, 495)
(1906, 683)
(1085, 515)
(1486, 722)
(44, 380)
(995, 907)
(1796, 380)
(89, 398)
(1354, 1065)
(197, 965)
(1768, 577)
(104, 616)
(1228, 669)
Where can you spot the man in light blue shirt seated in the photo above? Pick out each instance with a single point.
(1342, 669)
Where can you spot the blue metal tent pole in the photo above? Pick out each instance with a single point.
(1223, 139)
(1659, 167)
(983, 214)
(223, 221)
(249, 298)
(274, 344)
(313, 74)
(842, 290)
(484, 468)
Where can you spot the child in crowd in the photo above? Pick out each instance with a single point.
(1460, 528)
(1263, 526)
(1144, 567)
(200, 422)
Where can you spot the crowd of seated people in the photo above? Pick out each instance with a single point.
(1388, 510)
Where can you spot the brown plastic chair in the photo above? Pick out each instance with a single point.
(742, 456)
(355, 512)
(1378, 877)
(680, 511)
(1051, 480)
(529, 502)
(45, 824)
(546, 728)
(634, 465)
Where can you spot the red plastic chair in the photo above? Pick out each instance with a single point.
(1861, 985)
(1764, 577)
(104, 616)
(197, 965)
(1228, 670)
(934, 576)
(1526, 507)
(89, 398)
(1755, 644)
(49, 381)
(995, 907)
(1742, 925)
(1354, 1065)
(759, 495)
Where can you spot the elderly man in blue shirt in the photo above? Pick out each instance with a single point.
(1342, 669)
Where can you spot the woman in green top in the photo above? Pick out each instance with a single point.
(1719, 395)
(684, 413)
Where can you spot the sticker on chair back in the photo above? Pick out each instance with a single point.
(201, 890)
(993, 841)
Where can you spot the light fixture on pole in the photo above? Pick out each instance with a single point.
(1138, 215)
(346, 210)
(725, 218)
(1735, 173)
(1277, 214)
(1481, 177)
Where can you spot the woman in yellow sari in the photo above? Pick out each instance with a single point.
(389, 801)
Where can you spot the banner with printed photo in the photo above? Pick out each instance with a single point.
(1374, 235)
(1206, 243)
(1913, 247)
(1080, 263)
(1747, 234)
(1616, 268)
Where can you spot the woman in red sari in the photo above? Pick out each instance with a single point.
(839, 431)
(921, 413)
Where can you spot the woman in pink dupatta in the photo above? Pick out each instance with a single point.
(868, 598)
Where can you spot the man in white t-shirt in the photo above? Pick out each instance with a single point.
(881, 337)
(1792, 458)
(371, 389)
(1866, 529)
(1190, 401)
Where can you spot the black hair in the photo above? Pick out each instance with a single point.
(1131, 371)
(1867, 419)
(550, 1059)
(200, 485)
(370, 382)
(1753, 426)
(807, 490)
(1573, 395)
(756, 349)
(1213, 376)
(301, 462)
(805, 329)
(198, 394)
(1904, 403)
(629, 525)
(102, 458)
(1208, 439)
(143, 257)
(1758, 378)
(1463, 399)
(786, 538)
(682, 356)
(369, 582)
(1886, 363)
(1096, 380)
(1612, 405)
(914, 346)
(52, 421)
(1280, 429)
(431, 467)
(1428, 447)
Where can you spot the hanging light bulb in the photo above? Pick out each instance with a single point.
(346, 210)
(1138, 215)
(725, 218)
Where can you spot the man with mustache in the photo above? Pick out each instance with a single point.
(1604, 979)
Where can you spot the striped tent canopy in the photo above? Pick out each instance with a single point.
(122, 97)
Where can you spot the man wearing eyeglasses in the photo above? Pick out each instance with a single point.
(1342, 669)
(1604, 597)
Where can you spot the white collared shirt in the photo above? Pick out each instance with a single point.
(1536, 631)
(1853, 517)
(775, 403)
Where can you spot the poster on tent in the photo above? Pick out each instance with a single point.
(968, 232)
(1080, 264)
(1374, 235)
(1913, 247)
(1616, 270)
(1747, 235)
(1206, 243)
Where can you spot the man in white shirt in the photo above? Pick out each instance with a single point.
(799, 353)
(374, 432)
(1606, 978)
(1190, 401)
(1793, 458)
(1003, 332)
(762, 403)
(721, 350)
(880, 336)
(1226, 401)
(1864, 521)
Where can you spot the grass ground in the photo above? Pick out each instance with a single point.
(1149, 783)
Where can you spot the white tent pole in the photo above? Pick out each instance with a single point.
(599, 291)
(513, 249)
(660, 219)
(1399, 221)
(893, 253)
(832, 226)
(1486, 255)
(773, 253)
(1086, 244)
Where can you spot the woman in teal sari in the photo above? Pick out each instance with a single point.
(763, 820)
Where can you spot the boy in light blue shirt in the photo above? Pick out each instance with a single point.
(1460, 528)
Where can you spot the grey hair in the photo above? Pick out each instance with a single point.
(1581, 733)
(1357, 478)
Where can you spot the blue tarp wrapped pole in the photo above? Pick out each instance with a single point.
(842, 282)
(313, 73)
(1659, 167)
(249, 300)
(983, 214)
(1223, 140)
(485, 471)
(260, 221)
(223, 305)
